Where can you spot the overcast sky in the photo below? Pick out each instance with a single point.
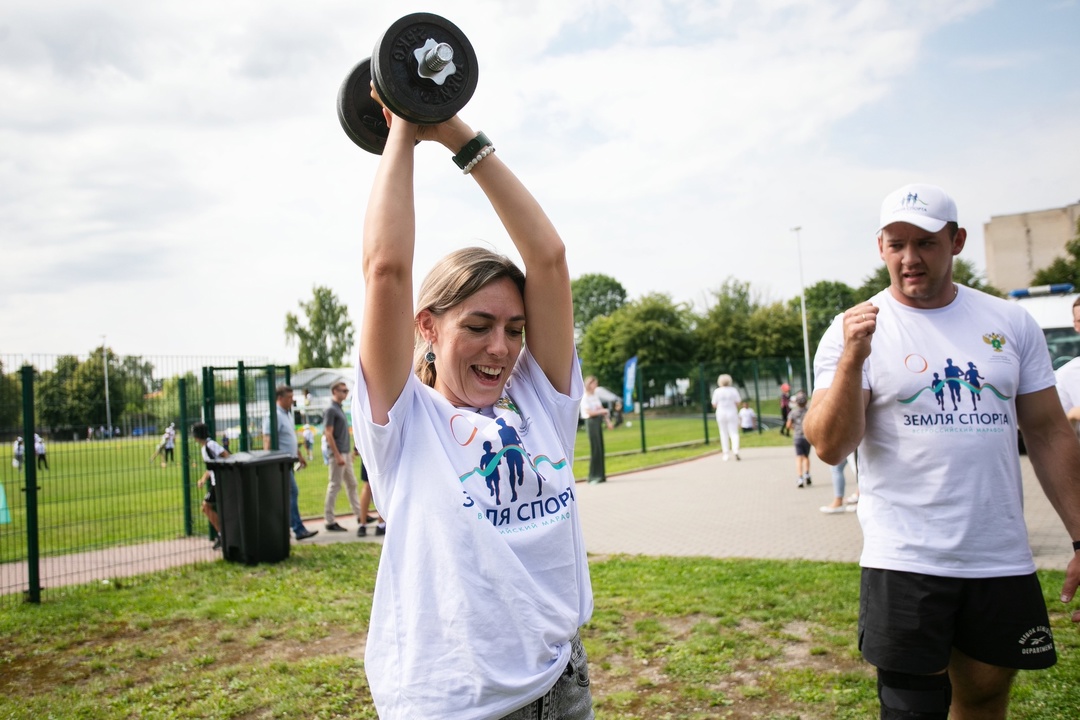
(173, 175)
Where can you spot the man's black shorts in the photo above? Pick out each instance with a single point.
(909, 622)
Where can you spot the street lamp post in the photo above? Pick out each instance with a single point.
(802, 305)
(108, 409)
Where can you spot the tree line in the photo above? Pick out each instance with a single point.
(69, 397)
(736, 324)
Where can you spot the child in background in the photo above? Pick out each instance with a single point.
(802, 445)
(211, 450)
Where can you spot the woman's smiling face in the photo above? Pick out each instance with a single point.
(477, 343)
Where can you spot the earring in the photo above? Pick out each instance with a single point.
(429, 356)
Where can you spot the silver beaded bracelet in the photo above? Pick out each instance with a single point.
(488, 149)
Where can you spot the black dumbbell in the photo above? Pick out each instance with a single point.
(424, 70)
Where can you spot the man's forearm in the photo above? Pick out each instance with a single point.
(836, 420)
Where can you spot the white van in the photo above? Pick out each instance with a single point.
(1051, 306)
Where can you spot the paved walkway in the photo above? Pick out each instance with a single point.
(749, 508)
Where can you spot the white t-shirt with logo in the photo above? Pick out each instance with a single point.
(940, 490)
(477, 596)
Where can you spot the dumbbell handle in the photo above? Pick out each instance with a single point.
(438, 57)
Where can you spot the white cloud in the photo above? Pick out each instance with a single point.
(164, 163)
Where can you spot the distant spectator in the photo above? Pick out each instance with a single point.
(839, 482)
(747, 418)
(802, 445)
(39, 451)
(210, 451)
(19, 450)
(286, 432)
(309, 440)
(336, 433)
(170, 444)
(595, 415)
(725, 401)
(785, 408)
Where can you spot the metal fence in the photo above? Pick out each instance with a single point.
(106, 501)
(95, 494)
(664, 393)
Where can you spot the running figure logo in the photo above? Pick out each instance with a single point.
(957, 379)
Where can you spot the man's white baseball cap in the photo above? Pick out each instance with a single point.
(925, 206)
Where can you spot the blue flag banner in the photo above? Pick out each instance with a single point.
(629, 380)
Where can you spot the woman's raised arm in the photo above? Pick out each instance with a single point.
(386, 335)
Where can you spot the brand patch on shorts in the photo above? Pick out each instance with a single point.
(1037, 640)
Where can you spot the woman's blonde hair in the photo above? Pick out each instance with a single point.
(454, 279)
(724, 380)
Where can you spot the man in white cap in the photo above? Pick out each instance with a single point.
(950, 606)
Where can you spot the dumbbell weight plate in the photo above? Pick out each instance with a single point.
(394, 69)
(361, 117)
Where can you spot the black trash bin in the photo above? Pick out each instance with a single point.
(253, 504)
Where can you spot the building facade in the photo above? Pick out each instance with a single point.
(1019, 245)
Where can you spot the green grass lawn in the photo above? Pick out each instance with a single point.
(670, 638)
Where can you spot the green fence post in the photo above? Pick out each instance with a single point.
(241, 390)
(33, 552)
(704, 403)
(185, 458)
(209, 401)
(271, 384)
(641, 408)
(757, 397)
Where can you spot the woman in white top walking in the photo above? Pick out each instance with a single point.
(725, 400)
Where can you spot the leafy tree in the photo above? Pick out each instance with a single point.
(52, 396)
(777, 330)
(655, 328)
(135, 382)
(595, 295)
(724, 332)
(1062, 270)
(10, 400)
(87, 387)
(824, 301)
(328, 335)
(1059, 271)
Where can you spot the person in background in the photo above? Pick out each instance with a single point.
(1068, 378)
(365, 506)
(286, 432)
(211, 451)
(747, 418)
(170, 445)
(336, 432)
(39, 452)
(725, 401)
(802, 445)
(785, 407)
(309, 441)
(18, 450)
(839, 483)
(596, 416)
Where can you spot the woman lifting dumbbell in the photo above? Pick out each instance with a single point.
(480, 592)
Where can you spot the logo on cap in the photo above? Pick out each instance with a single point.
(912, 202)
